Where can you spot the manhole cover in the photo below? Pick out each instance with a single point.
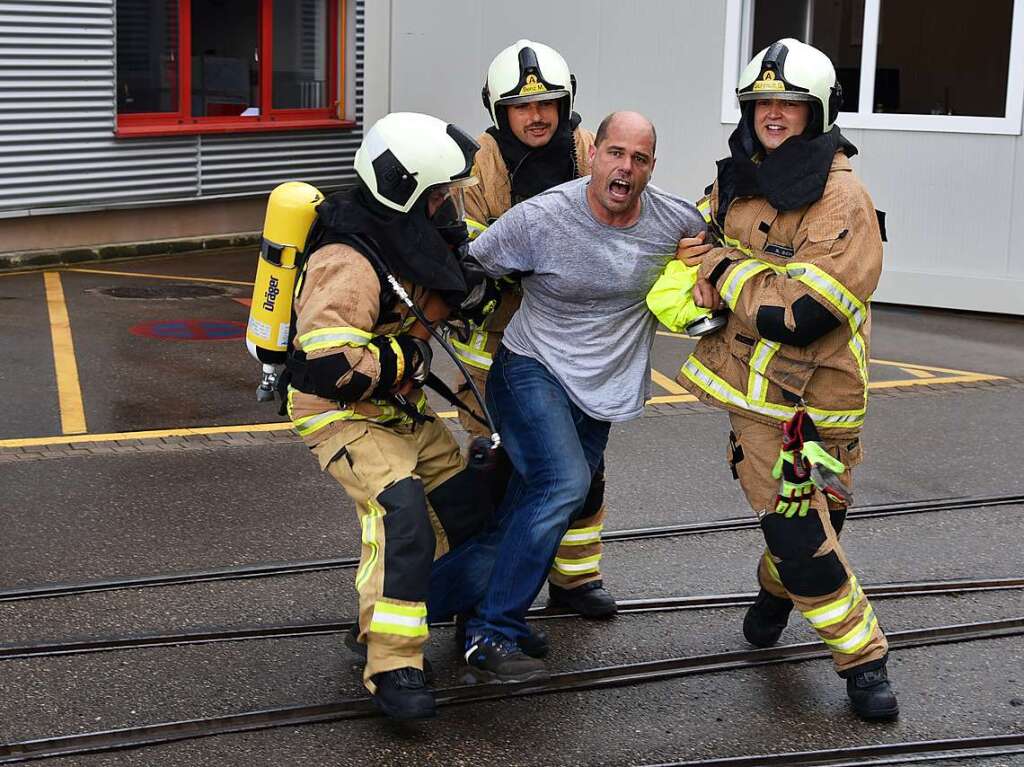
(157, 292)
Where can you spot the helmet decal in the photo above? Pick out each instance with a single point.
(531, 80)
(393, 180)
(768, 82)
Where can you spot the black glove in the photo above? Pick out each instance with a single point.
(402, 358)
(484, 292)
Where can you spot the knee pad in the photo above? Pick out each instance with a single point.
(463, 504)
(838, 518)
(795, 540)
(409, 540)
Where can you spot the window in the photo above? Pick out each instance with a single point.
(199, 66)
(904, 64)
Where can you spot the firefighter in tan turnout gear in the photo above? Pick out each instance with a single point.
(355, 371)
(536, 143)
(796, 257)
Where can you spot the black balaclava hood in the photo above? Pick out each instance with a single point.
(791, 177)
(533, 171)
(410, 244)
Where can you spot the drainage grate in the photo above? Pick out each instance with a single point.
(158, 292)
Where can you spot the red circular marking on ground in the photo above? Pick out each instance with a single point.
(190, 330)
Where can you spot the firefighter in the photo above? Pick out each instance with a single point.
(536, 143)
(355, 372)
(796, 257)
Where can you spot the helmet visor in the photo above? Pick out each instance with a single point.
(774, 95)
(446, 204)
(546, 96)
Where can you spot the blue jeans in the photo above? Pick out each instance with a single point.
(555, 448)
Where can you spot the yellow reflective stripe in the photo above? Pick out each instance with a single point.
(475, 228)
(773, 571)
(717, 387)
(311, 423)
(581, 536)
(833, 291)
(854, 639)
(577, 566)
(732, 242)
(330, 338)
(837, 611)
(369, 538)
(738, 277)
(757, 384)
(704, 208)
(472, 352)
(399, 620)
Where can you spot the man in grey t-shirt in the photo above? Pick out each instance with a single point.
(575, 358)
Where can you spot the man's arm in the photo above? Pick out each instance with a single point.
(506, 245)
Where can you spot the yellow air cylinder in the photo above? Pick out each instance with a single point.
(291, 211)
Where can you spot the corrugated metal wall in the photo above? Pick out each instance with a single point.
(57, 116)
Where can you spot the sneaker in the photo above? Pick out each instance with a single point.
(402, 693)
(494, 658)
(871, 694)
(765, 619)
(358, 648)
(590, 600)
(534, 644)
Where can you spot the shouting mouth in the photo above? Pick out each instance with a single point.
(619, 189)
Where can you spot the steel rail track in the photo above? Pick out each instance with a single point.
(268, 569)
(570, 681)
(292, 631)
(910, 752)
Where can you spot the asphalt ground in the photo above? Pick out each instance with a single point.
(946, 417)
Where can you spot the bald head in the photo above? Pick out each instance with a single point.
(632, 122)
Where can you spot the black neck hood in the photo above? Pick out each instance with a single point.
(408, 243)
(792, 176)
(533, 171)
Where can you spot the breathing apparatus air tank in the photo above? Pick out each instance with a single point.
(291, 211)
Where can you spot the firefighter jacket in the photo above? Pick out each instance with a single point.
(485, 202)
(338, 312)
(798, 284)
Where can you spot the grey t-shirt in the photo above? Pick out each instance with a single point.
(584, 314)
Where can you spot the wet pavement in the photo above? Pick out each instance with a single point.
(179, 468)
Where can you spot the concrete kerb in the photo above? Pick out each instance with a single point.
(40, 259)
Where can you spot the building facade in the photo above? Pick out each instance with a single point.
(134, 120)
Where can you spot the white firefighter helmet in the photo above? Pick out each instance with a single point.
(527, 71)
(795, 71)
(406, 153)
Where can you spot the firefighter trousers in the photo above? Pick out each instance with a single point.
(415, 504)
(578, 560)
(804, 561)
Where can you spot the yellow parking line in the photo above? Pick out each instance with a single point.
(917, 372)
(930, 368)
(667, 399)
(69, 392)
(666, 383)
(159, 276)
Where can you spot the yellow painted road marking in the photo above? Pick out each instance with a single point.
(69, 392)
(160, 276)
(930, 368)
(670, 334)
(918, 372)
(666, 383)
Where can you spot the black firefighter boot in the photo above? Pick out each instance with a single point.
(590, 600)
(765, 619)
(870, 692)
(402, 693)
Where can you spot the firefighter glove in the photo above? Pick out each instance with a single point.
(804, 464)
(402, 358)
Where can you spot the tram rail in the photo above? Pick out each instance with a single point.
(909, 752)
(292, 631)
(262, 570)
(570, 681)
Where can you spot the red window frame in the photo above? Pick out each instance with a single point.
(183, 122)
